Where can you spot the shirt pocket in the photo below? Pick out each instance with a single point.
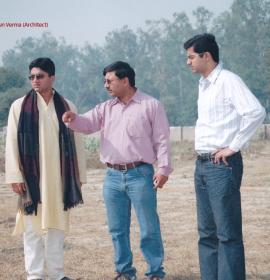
(137, 127)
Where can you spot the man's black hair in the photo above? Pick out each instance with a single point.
(205, 42)
(45, 64)
(122, 70)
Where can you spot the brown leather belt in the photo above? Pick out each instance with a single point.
(125, 166)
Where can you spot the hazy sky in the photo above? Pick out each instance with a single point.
(89, 20)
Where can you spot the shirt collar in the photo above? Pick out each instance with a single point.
(136, 98)
(212, 77)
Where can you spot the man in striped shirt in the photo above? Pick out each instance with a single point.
(228, 116)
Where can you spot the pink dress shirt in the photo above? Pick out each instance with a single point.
(137, 131)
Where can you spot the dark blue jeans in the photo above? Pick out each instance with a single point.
(121, 190)
(221, 250)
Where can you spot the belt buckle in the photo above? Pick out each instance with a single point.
(124, 167)
(205, 157)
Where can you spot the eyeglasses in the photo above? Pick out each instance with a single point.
(37, 76)
(108, 82)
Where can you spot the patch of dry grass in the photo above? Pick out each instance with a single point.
(88, 249)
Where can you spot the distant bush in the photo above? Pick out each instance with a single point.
(91, 144)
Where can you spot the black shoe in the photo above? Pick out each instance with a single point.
(66, 278)
(121, 276)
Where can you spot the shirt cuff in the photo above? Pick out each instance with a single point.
(235, 147)
(165, 171)
(73, 125)
(15, 177)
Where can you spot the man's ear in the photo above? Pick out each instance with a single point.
(52, 78)
(208, 56)
(126, 81)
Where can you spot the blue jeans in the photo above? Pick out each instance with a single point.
(221, 250)
(121, 190)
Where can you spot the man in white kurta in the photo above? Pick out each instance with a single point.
(51, 220)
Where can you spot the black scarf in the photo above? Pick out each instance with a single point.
(28, 144)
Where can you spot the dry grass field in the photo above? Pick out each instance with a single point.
(88, 249)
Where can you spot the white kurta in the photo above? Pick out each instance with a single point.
(51, 212)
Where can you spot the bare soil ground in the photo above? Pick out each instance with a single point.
(88, 249)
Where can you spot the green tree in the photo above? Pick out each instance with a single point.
(66, 58)
(10, 78)
(6, 99)
(203, 19)
(12, 86)
(156, 52)
(243, 33)
(162, 69)
(90, 78)
(121, 45)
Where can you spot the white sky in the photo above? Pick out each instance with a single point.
(80, 21)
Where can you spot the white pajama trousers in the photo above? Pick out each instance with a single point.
(43, 250)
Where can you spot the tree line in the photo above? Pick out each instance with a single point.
(157, 55)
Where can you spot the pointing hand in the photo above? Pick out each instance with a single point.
(68, 117)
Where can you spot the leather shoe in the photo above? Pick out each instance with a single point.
(121, 276)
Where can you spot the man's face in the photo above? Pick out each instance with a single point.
(40, 80)
(114, 85)
(196, 61)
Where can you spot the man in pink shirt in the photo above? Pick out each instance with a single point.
(134, 134)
